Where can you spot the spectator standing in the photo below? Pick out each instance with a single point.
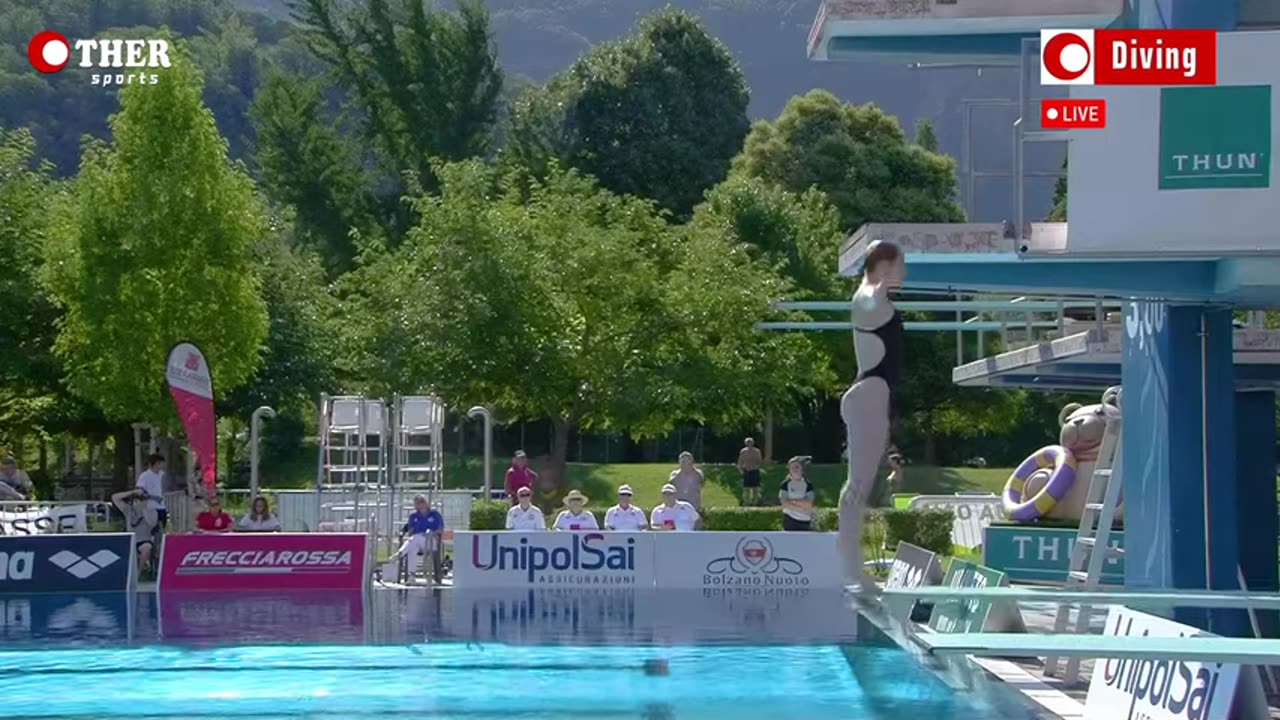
(749, 463)
(14, 479)
(674, 513)
(140, 520)
(624, 516)
(214, 519)
(524, 515)
(797, 496)
(896, 482)
(424, 528)
(688, 480)
(576, 517)
(259, 518)
(519, 475)
(151, 483)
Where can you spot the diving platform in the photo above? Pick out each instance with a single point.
(1091, 360)
(1225, 650)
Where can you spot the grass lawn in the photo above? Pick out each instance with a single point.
(600, 482)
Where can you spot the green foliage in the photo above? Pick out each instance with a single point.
(426, 79)
(296, 361)
(489, 514)
(925, 135)
(1058, 211)
(306, 164)
(929, 529)
(155, 246)
(858, 156)
(658, 114)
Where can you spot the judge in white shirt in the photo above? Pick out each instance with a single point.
(524, 515)
(576, 518)
(151, 483)
(624, 516)
(674, 514)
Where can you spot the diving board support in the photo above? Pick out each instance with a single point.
(1093, 539)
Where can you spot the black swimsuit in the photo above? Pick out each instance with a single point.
(889, 368)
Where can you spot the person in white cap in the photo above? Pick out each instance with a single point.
(674, 514)
(524, 515)
(575, 518)
(624, 516)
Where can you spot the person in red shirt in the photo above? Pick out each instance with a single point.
(214, 519)
(519, 475)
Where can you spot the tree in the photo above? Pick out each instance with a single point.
(925, 136)
(858, 156)
(427, 80)
(306, 164)
(561, 300)
(1058, 211)
(658, 114)
(155, 246)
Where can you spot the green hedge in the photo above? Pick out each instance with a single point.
(929, 529)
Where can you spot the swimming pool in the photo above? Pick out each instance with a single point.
(448, 655)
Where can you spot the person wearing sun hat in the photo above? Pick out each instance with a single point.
(575, 518)
(524, 515)
(624, 516)
(674, 514)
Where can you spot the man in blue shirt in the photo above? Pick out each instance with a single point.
(424, 528)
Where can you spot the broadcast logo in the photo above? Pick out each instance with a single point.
(1073, 113)
(1128, 57)
(119, 61)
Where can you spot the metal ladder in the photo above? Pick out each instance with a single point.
(1092, 547)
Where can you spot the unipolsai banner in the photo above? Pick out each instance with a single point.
(191, 386)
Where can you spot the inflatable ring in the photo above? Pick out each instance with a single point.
(1064, 474)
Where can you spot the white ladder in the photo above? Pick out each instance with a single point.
(1092, 547)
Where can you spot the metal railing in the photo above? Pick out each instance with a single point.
(1018, 321)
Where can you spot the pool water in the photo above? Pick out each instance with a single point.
(445, 656)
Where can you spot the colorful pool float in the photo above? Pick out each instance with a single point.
(1059, 484)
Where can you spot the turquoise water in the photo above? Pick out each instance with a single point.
(407, 655)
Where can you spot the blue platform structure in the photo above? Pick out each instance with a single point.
(1199, 454)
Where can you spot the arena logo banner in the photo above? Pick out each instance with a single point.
(66, 563)
(97, 616)
(276, 616)
(1159, 689)
(577, 559)
(44, 520)
(274, 561)
(191, 386)
(767, 560)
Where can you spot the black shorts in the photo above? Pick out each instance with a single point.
(791, 524)
(162, 518)
(750, 478)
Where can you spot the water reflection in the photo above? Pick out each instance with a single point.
(92, 619)
(262, 617)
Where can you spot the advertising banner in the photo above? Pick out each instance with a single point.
(797, 560)
(252, 616)
(1158, 689)
(266, 561)
(965, 616)
(972, 514)
(912, 567)
(1030, 554)
(191, 386)
(94, 562)
(43, 519)
(101, 616)
(550, 559)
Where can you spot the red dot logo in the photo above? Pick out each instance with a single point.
(1066, 56)
(48, 51)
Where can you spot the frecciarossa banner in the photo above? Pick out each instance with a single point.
(267, 561)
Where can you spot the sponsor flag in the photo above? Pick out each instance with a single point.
(191, 385)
